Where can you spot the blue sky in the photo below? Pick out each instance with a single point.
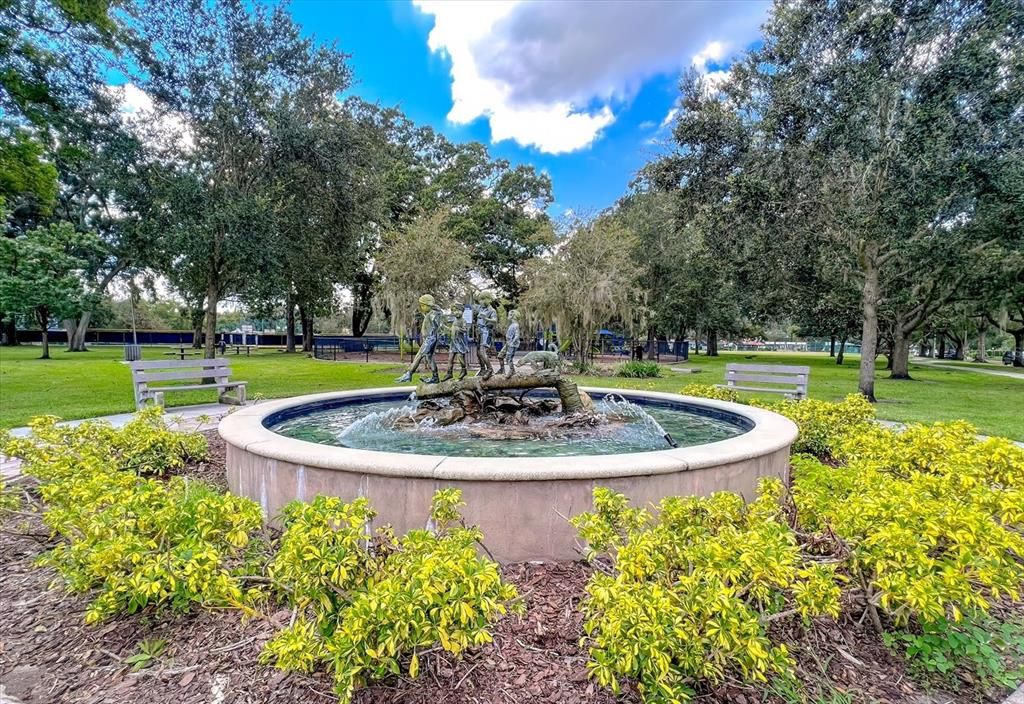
(580, 90)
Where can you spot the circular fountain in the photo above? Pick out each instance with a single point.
(520, 479)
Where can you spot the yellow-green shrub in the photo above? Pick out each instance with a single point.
(824, 425)
(144, 445)
(364, 605)
(135, 542)
(710, 391)
(688, 593)
(933, 517)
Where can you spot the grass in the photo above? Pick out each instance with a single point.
(85, 384)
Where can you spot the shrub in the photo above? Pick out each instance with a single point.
(363, 605)
(144, 445)
(687, 595)
(135, 542)
(637, 369)
(984, 645)
(710, 391)
(933, 518)
(824, 425)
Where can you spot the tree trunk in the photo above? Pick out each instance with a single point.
(9, 335)
(572, 399)
(869, 335)
(212, 298)
(832, 346)
(289, 328)
(76, 330)
(900, 355)
(842, 351)
(650, 351)
(942, 346)
(961, 345)
(981, 355)
(1018, 347)
(307, 329)
(198, 314)
(362, 302)
(81, 330)
(69, 332)
(712, 342)
(43, 318)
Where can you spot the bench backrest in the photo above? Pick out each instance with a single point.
(781, 374)
(180, 370)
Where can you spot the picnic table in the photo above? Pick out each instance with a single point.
(182, 351)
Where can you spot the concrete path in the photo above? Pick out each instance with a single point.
(928, 362)
(183, 418)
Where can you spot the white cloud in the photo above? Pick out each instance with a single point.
(669, 117)
(713, 52)
(154, 126)
(551, 75)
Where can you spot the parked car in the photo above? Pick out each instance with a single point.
(1008, 357)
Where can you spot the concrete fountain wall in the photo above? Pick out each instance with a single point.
(519, 503)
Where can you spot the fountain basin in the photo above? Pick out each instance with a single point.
(520, 503)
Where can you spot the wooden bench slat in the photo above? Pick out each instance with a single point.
(142, 376)
(768, 378)
(756, 388)
(180, 364)
(192, 387)
(791, 380)
(778, 368)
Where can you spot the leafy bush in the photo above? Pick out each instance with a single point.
(983, 644)
(932, 518)
(824, 425)
(137, 542)
(363, 604)
(637, 369)
(687, 595)
(710, 391)
(144, 445)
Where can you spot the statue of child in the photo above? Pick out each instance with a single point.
(484, 318)
(459, 334)
(430, 328)
(508, 352)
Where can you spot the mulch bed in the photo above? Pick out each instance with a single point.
(48, 655)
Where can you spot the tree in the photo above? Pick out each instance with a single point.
(589, 279)
(28, 181)
(40, 274)
(223, 86)
(421, 259)
(502, 218)
(51, 52)
(894, 109)
(864, 135)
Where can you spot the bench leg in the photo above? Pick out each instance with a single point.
(158, 399)
(237, 400)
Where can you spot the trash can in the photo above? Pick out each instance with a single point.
(132, 353)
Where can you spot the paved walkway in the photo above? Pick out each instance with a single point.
(928, 362)
(184, 418)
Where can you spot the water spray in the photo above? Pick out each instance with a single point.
(626, 407)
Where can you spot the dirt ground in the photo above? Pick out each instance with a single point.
(47, 654)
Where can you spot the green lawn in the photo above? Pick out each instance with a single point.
(95, 383)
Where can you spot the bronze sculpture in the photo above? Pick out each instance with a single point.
(430, 329)
(508, 352)
(484, 318)
(459, 334)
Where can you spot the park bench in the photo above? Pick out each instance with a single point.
(199, 370)
(790, 381)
